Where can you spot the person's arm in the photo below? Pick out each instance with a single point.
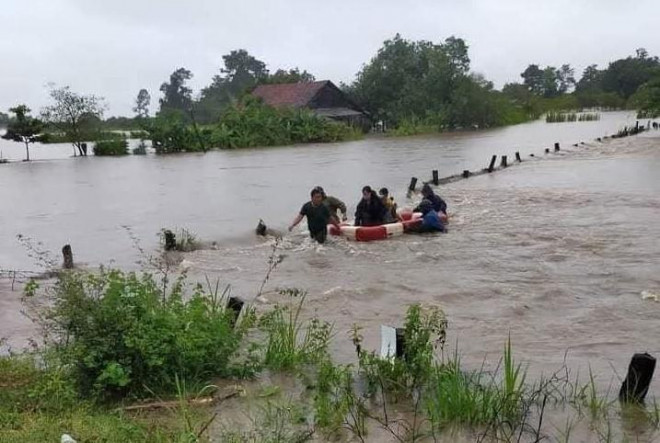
(295, 221)
(332, 218)
(342, 209)
(358, 214)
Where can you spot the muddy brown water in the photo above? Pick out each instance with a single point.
(554, 252)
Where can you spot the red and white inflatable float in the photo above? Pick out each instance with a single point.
(382, 232)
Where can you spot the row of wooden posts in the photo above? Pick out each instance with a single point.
(504, 162)
(436, 180)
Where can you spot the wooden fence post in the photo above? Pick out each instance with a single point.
(492, 163)
(413, 183)
(68, 257)
(636, 385)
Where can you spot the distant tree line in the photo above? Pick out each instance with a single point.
(412, 86)
(629, 82)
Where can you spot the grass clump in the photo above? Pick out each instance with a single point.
(563, 117)
(290, 342)
(111, 147)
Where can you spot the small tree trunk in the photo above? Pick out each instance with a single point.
(27, 150)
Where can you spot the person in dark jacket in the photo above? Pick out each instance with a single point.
(370, 211)
(431, 221)
(437, 202)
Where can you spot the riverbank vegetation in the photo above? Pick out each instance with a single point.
(131, 357)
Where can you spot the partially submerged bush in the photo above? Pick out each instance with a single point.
(179, 240)
(111, 147)
(123, 334)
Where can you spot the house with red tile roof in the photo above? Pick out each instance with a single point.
(322, 97)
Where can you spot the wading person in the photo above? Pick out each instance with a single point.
(335, 205)
(318, 217)
(437, 202)
(370, 211)
(431, 221)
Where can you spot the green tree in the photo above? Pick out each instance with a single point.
(408, 79)
(290, 76)
(241, 72)
(142, 103)
(566, 78)
(4, 119)
(176, 95)
(647, 98)
(625, 76)
(591, 80)
(23, 128)
(74, 114)
(533, 79)
(550, 82)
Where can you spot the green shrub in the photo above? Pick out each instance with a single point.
(251, 123)
(111, 147)
(122, 334)
(170, 133)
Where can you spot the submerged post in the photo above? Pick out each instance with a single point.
(235, 304)
(636, 385)
(67, 253)
(503, 162)
(400, 343)
(261, 228)
(518, 159)
(492, 163)
(556, 147)
(466, 173)
(436, 180)
(413, 183)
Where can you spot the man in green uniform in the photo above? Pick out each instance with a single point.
(334, 205)
(318, 217)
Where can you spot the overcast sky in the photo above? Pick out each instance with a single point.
(113, 48)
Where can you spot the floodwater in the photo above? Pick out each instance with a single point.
(554, 252)
(221, 195)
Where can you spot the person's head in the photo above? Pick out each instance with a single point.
(427, 190)
(366, 192)
(384, 192)
(425, 206)
(320, 189)
(317, 196)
